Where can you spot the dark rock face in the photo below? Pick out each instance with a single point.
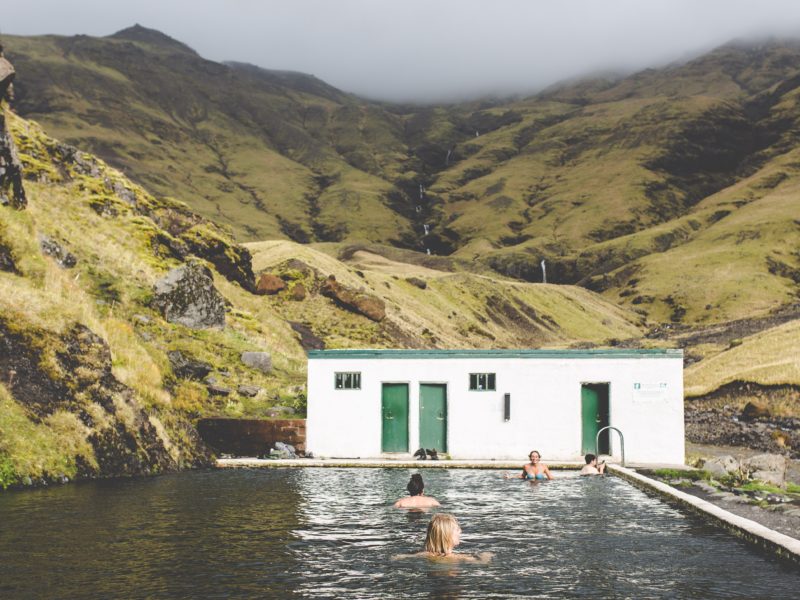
(11, 189)
(72, 372)
(7, 263)
(370, 306)
(187, 296)
(186, 367)
(233, 262)
(53, 249)
(268, 284)
(420, 283)
(308, 340)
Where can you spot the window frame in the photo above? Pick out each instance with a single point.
(489, 382)
(353, 378)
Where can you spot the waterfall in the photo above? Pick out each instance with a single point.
(428, 251)
(544, 273)
(419, 208)
(426, 228)
(447, 158)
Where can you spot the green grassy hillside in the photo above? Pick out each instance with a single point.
(664, 205)
(88, 387)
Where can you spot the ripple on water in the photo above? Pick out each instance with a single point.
(321, 533)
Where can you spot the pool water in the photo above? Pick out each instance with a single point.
(331, 533)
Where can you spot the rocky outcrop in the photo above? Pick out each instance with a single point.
(186, 295)
(53, 249)
(12, 191)
(269, 284)
(71, 373)
(727, 427)
(368, 305)
(187, 367)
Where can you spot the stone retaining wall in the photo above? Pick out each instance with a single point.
(252, 437)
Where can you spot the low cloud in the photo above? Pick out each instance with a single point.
(422, 50)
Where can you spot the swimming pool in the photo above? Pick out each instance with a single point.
(327, 533)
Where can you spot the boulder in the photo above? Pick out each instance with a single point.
(53, 249)
(755, 410)
(420, 283)
(298, 292)
(769, 468)
(187, 367)
(282, 450)
(721, 466)
(217, 390)
(269, 284)
(771, 477)
(186, 295)
(258, 360)
(370, 306)
(251, 391)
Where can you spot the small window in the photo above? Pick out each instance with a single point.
(348, 381)
(482, 382)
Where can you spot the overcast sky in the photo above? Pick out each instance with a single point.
(426, 49)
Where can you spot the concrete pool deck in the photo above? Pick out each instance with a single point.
(407, 463)
(774, 542)
(777, 543)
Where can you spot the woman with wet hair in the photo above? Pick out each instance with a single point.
(417, 498)
(444, 534)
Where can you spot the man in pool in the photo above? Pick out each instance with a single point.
(417, 499)
(535, 470)
(592, 467)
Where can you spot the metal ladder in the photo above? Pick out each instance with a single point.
(621, 442)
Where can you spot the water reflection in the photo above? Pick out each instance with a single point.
(322, 533)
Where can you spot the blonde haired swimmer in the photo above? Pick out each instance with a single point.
(444, 534)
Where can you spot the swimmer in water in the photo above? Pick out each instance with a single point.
(417, 499)
(534, 470)
(444, 534)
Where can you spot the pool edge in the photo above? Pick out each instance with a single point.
(773, 541)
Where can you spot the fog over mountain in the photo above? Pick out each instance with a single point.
(422, 50)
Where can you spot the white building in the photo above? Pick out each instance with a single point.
(501, 404)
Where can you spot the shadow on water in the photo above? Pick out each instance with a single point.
(322, 533)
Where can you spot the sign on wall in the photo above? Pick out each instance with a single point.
(649, 392)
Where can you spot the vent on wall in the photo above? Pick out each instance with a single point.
(507, 406)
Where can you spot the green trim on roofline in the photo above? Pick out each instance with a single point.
(439, 354)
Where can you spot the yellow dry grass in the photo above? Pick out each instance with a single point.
(770, 357)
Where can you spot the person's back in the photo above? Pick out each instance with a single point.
(417, 502)
(417, 499)
(591, 467)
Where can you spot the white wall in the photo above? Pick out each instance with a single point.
(545, 406)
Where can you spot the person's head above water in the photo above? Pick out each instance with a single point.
(589, 458)
(444, 534)
(415, 485)
(535, 456)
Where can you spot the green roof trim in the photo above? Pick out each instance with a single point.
(439, 354)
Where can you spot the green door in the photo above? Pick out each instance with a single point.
(594, 416)
(394, 416)
(433, 416)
